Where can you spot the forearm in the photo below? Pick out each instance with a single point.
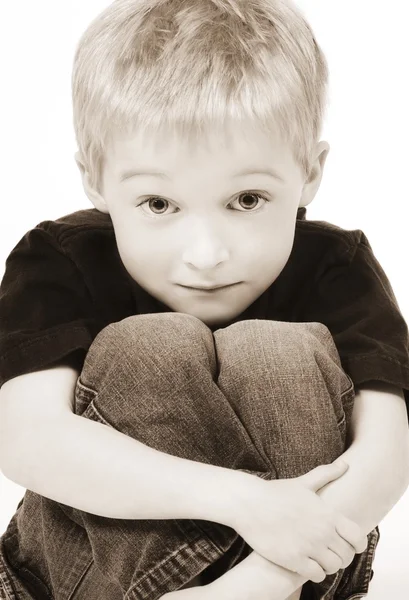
(97, 469)
(378, 458)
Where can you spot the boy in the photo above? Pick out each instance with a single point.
(170, 373)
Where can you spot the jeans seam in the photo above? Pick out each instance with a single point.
(350, 388)
(92, 408)
(169, 559)
(87, 568)
(85, 388)
(206, 534)
(347, 579)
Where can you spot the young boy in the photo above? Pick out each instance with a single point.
(182, 365)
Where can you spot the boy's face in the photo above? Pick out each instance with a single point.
(210, 226)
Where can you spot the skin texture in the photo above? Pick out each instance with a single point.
(205, 229)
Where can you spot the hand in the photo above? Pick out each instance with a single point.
(287, 523)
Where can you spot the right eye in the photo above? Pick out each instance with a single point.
(156, 206)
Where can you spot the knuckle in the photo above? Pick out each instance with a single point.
(326, 532)
(295, 559)
(307, 549)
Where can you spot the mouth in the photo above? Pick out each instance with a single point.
(211, 289)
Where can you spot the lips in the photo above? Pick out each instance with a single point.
(208, 288)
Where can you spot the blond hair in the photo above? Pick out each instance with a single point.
(187, 66)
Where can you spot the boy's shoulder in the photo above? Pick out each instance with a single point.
(83, 233)
(76, 223)
(328, 237)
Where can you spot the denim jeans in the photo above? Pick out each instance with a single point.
(266, 397)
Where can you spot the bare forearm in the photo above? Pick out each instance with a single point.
(94, 468)
(378, 458)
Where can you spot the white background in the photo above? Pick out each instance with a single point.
(364, 186)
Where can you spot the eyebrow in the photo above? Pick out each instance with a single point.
(153, 172)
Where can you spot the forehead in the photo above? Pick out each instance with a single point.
(234, 148)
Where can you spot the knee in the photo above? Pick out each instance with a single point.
(145, 356)
(164, 332)
(287, 345)
(157, 337)
(282, 333)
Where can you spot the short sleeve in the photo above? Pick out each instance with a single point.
(45, 307)
(352, 296)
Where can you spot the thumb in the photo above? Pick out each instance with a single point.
(320, 476)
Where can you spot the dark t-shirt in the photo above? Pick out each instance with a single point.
(64, 282)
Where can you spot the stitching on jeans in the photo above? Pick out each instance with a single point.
(80, 580)
(91, 406)
(370, 556)
(158, 565)
(85, 388)
(6, 586)
(350, 389)
(208, 536)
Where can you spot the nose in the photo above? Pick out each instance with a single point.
(204, 249)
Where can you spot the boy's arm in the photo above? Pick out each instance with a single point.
(378, 459)
(78, 462)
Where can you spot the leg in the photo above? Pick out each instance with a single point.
(286, 385)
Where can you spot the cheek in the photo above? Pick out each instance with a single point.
(275, 239)
(142, 254)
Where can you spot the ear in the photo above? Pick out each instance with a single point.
(96, 198)
(314, 178)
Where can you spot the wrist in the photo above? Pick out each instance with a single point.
(272, 576)
(224, 495)
(241, 493)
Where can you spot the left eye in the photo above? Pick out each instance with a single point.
(156, 203)
(248, 201)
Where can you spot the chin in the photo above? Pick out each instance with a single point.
(214, 321)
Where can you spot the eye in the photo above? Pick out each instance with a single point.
(249, 200)
(156, 205)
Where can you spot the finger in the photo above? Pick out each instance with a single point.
(311, 570)
(352, 533)
(343, 549)
(328, 561)
(323, 474)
